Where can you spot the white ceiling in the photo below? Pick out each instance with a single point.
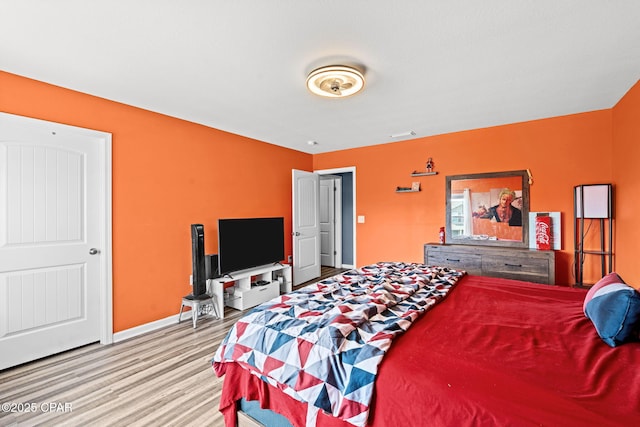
(431, 66)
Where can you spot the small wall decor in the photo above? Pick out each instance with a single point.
(415, 186)
(429, 169)
(430, 165)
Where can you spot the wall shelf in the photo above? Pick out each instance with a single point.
(415, 173)
(406, 191)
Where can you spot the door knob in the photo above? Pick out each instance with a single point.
(93, 251)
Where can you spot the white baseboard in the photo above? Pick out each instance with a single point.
(149, 327)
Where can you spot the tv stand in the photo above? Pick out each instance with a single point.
(241, 295)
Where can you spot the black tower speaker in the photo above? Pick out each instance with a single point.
(199, 277)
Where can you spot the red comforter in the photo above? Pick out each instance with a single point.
(495, 352)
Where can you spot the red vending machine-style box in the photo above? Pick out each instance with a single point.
(543, 232)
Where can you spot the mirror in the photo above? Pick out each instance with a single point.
(488, 209)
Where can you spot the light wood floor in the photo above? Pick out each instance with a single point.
(162, 378)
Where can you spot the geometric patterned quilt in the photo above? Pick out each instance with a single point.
(322, 344)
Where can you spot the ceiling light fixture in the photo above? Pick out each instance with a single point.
(335, 81)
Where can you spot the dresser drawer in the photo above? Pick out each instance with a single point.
(247, 298)
(472, 264)
(514, 267)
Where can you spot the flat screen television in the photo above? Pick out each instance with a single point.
(245, 243)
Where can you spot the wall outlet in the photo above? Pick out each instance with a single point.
(290, 259)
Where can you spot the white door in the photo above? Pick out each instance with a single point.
(331, 221)
(51, 238)
(327, 223)
(306, 226)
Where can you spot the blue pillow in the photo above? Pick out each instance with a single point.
(615, 312)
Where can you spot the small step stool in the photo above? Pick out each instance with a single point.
(196, 303)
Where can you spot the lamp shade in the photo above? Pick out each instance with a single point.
(593, 201)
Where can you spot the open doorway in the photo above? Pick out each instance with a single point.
(337, 205)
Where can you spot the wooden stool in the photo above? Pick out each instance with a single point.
(195, 304)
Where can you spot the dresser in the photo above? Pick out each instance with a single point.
(510, 263)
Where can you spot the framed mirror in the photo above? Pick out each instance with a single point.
(488, 209)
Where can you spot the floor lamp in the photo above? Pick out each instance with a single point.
(593, 203)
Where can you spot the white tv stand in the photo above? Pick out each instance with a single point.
(242, 295)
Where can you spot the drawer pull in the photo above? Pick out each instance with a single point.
(513, 265)
(453, 260)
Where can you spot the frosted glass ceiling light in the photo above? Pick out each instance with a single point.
(335, 81)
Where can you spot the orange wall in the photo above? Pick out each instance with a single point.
(167, 174)
(561, 152)
(157, 191)
(626, 155)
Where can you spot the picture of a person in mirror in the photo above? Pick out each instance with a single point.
(504, 211)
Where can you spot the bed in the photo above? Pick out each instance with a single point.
(479, 351)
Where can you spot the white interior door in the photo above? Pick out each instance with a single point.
(51, 238)
(331, 221)
(327, 223)
(306, 226)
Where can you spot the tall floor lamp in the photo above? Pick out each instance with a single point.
(593, 203)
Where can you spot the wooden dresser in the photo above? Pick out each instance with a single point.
(509, 263)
